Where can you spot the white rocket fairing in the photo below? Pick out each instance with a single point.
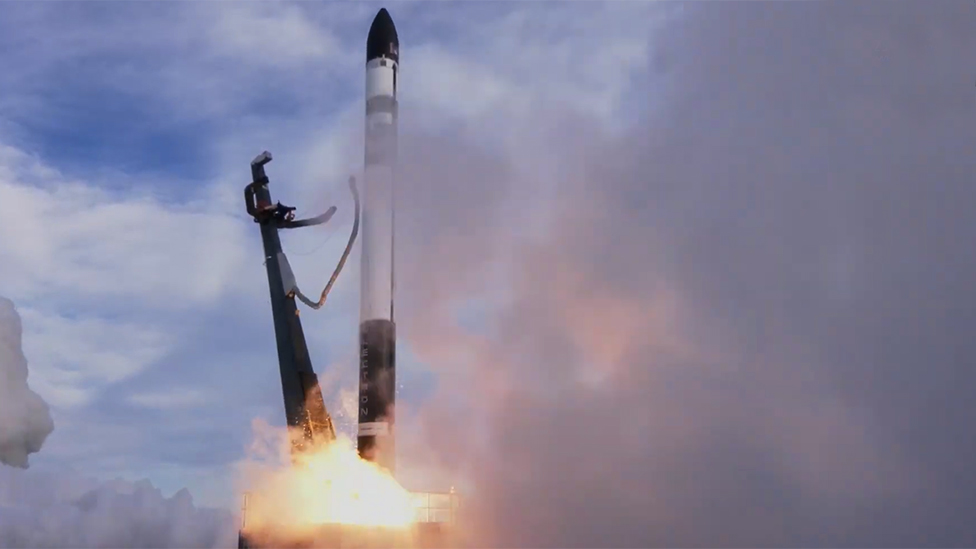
(377, 331)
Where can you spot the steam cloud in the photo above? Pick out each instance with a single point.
(25, 419)
(66, 510)
(46, 509)
(746, 322)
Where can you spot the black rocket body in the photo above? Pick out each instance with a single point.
(377, 329)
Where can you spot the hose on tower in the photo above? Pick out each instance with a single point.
(345, 254)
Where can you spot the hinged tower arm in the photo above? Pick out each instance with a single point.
(304, 406)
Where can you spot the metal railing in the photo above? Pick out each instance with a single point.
(439, 507)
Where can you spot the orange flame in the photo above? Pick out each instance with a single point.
(327, 484)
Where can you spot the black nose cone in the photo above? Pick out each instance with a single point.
(382, 40)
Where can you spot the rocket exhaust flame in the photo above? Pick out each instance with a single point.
(328, 483)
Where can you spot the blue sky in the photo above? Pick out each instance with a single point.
(125, 135)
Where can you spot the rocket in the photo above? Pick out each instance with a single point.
(377, 329)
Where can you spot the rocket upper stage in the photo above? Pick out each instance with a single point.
(382, 40)
(380, 155)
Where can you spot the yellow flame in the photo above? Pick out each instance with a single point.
(328, 484)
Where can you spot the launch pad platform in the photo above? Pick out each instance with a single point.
(434, 527)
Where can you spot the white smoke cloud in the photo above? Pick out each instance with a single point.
(40, 509)
(25, 419)
(45, 509)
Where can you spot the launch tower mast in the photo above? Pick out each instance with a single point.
(304, 406)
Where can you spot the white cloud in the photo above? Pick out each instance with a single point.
(74, 357)
(179, 398)
(190, 62)
(65, 509)
(62, 235)
(270, 35)
(25, 419)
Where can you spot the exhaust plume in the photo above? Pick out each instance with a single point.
(25, 419)
(329, 484)
(744, 322)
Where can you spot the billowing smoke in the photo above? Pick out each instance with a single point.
(25, 419)
(64, 509)
(746, 322)
(67, 510)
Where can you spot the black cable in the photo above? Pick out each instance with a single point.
(345, 254)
